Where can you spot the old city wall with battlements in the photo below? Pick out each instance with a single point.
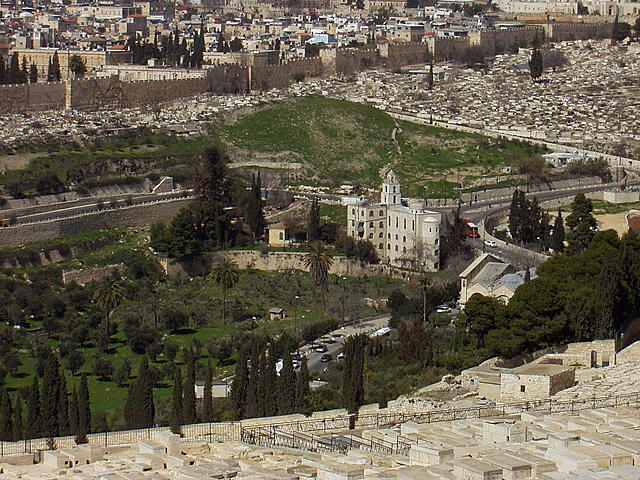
(108, 93)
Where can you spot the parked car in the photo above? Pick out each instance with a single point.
(320, 348)
(341, 355)
(326, 358)
(443, 309)
(491, 243)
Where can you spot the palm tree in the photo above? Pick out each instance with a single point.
(225, 273)
(108, 296)
(318, 261)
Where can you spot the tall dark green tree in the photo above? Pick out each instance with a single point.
(517, 214)
(189, 393)
(303, 390)
(252, 406)
(34, 416)
(267, 390)
(177, 411)
(254, 210)
(207, 400)
(18, 419)
(536, 63)
(139, 407)
(33, 73)
(63, 407)
(210, 177)
(557, 236)
(353, 373)
(13, 75)
(581, 224)
(50, 399)
(24, 71)
(313, 221)
(239, 386)
(55, 68)
(73, 411)
(84, 407)
(287, 387)
(6, 416)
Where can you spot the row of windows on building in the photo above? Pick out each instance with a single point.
(404, 224)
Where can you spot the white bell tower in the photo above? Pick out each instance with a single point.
(390, 193)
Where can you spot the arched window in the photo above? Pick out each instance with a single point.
(353, 211)
(404, 239)
(404, 249)
(388, 246)
(371, 213)
(396, 248)
(404, 222)
(281, 236)
(381, 235)
(381, 224)
(389, 236)
(370, 224)
(380, 246)
(371, 235)
(396, 236)
(382, 213)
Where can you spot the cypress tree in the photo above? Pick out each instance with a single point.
(33, 74)
(24, 71)
(34, 417)
(84, 407)
(353, 375)
(55, 68)
(582, 225)
(239, 387)
(313, 221)
(18, 422)
(269, 385)
(252, 403)
(63, 407)
(139, 407)
(13, 75)
(207, 401)
(302, 387)
(50, 398)
(189, 394)
(557, 237)
(255, 214)
(6, 416)
(50, 71)
(287, 386)
(176, 402)
(536, 63)
(73, 412)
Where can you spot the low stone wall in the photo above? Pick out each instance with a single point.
(274, 261)
(84, 276)
(133, 216)
(32, 97)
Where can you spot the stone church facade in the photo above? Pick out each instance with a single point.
(403, 232)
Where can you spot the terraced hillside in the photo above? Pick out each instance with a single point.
(336, 142)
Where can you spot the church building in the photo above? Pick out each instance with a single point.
(404, 233)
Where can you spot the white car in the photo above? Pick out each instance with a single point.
(443, 309)
(490, 243)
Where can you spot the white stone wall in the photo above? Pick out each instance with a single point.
(536, 387)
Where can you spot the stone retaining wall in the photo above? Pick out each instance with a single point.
(133, 216)
(274, 261)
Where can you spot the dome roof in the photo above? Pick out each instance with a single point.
(26, 15)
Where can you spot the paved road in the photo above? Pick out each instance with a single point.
(480, 211)
(334, 347)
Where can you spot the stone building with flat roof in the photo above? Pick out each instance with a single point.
(535, 381)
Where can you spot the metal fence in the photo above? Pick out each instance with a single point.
(284, 434)
(323, 434)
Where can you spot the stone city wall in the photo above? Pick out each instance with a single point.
(31, 97)
(108, 93)
(264, 77)
(564, 32)
(135, 215)
(495, 42)
(444, 49)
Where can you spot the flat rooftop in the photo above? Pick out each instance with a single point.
(540, 369)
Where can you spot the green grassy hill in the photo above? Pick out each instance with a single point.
(344, 142)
